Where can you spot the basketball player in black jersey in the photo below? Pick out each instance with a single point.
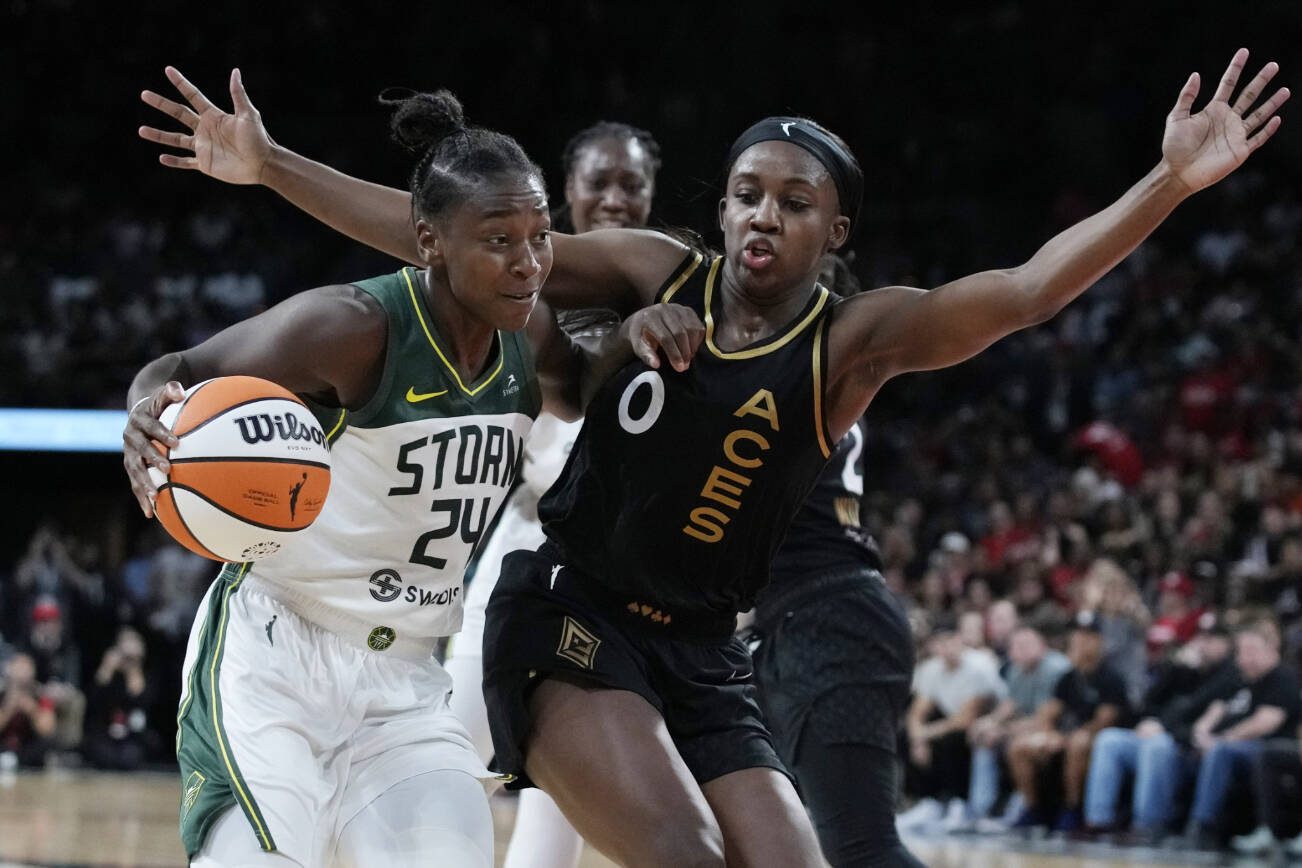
(834, 658)
(612, 677)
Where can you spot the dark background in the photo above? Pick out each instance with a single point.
(972, 121)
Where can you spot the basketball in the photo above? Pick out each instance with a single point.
(252, 469)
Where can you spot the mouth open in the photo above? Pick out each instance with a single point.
(521, 297)
(758, 254)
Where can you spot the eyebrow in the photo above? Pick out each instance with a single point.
(508, 211)
(793, 179)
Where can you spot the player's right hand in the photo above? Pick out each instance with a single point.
(229, 147)
(671, 329)
(140, 439)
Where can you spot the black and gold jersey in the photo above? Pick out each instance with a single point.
(681, 485)
(826, 533)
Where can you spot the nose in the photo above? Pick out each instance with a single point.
(765, 217)
(613, 199)
(526, 265)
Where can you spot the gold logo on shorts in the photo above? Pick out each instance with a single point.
(193, 785)
(578, 643)
(381, 638)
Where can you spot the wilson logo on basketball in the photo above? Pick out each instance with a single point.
(240, 492)
(262, 427)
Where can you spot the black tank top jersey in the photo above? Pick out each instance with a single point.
(681, 485)
(826, 533)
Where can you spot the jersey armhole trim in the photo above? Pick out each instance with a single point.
(680, 276)
(334, 433)
(819, 365)
(395, 328)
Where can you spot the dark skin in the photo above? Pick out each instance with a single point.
(780, 214)
(611, 185)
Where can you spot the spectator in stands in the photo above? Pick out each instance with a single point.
(26, 716)
(1182, 691)
(1277, 790)
(1230, 734)
(1000, 624)
(1034, 607)
(58, 668)
(1177, 615)
(972, 632)
(1031, 674)
(117, 733)
(950, 690)
(1123, 621)
(1089, 698)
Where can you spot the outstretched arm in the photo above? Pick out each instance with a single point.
(616, 268)
(235, 147)
(898, 329)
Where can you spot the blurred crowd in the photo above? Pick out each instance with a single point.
(1100, 541)
(90, 653)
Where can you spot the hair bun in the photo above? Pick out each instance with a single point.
(422, 120)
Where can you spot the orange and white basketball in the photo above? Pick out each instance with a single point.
(251, 470)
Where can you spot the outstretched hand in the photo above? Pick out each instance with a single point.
(1203, 148)
(229, 147)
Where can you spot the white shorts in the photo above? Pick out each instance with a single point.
(298, 727)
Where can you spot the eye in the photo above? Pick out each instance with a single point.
(542, 237)
(498, 240)
(746, 197)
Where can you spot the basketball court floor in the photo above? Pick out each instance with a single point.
(80, 819)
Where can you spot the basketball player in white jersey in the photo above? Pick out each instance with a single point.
(315, 727)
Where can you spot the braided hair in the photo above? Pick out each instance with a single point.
(454, 157)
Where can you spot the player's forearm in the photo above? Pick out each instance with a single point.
(375, 215)
(1077, 257)
(172, 366)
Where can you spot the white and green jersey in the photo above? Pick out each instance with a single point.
(417, 476)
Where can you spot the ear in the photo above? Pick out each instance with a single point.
(429, 243)
(723, 203)
(569, 191)
(839, 234)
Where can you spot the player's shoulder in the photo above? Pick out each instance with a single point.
(341, 315)
(875, 303)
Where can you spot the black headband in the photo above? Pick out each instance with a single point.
(834, 156)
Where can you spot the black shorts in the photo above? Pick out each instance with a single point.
(545, 619)
(835, 653)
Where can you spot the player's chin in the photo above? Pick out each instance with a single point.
(763, 281)
(515, 309)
